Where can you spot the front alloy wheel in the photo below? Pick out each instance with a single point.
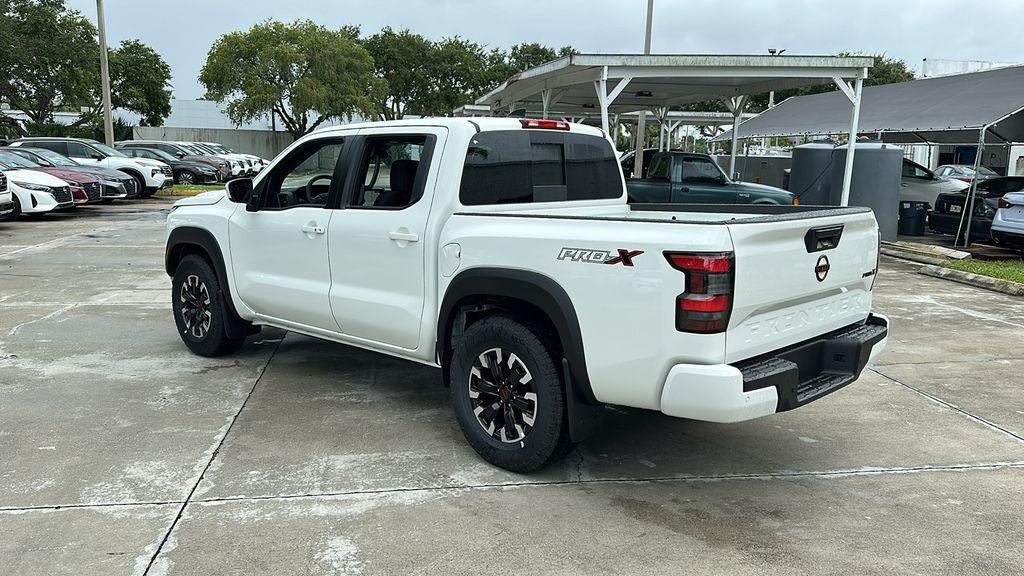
(501, 390)
(187, 178)
(195, 306)
(199, 311)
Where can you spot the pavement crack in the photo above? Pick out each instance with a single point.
(86, 506)
(213, 456)
(821, 474)
(955, 408)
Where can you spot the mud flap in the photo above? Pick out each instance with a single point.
(584, 419)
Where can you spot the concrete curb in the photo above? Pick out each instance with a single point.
(986, 282)
(912, 256)
(927, 250)
(175, 192)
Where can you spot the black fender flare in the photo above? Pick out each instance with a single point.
(204, 240)
(537, 289)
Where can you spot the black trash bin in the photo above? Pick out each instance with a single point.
(912, 218)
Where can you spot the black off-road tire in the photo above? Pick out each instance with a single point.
(548, 438)
(203, 333)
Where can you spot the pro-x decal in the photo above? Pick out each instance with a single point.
(620, 256)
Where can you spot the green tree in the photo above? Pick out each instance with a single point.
(48, 58)
(883, 71)
(403, 60)
(502, 65)
(461, 75)
(302, 73)
(140, 82)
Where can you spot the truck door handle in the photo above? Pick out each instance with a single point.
(684, 189)
(403, 235)
(313, 228)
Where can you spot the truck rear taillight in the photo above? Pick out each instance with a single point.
(705, 306)
(1004, 203)
(544, 124)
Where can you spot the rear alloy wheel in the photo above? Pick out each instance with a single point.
(199, 311)
(508, 395)
(186, 178)
(502, 395)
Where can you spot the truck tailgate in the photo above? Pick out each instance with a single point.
(797, 279)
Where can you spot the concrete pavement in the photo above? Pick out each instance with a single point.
(124, 454)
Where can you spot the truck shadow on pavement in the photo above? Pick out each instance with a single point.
(336, 391)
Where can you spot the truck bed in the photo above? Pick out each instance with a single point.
(683, 213)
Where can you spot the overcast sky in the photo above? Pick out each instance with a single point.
(183, 30)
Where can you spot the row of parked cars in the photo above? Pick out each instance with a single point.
(45, 174)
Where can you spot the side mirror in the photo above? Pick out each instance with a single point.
(179, 154)
(97, 156)
(240, 190)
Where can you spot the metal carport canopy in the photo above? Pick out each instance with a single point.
(941, 110)
(616, 83)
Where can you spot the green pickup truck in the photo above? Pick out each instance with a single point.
(687, 178)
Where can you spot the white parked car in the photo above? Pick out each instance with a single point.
(919, 184)
(503, 252)
(237, 165)
(150, 175)
(257, 162)
(6, 198)
(34, 192)
(1008, 223)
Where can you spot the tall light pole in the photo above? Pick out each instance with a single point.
(641, 120)
(108, 120)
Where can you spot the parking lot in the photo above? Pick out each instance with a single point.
(123, 453)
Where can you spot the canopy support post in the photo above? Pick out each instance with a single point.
(853, 95)
(969, 205)
(735, 105)
(605, 98)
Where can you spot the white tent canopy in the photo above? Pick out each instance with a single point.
(619, 83)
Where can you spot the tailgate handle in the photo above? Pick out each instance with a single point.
(827, 238)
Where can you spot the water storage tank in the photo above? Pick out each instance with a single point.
(877, 168)
(811, 176)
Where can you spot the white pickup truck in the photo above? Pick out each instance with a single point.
(503, 252)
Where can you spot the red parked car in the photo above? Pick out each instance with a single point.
(84, 187)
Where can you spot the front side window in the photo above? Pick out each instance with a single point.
(696, 169)
(391, 171)
(107, 150)
(660, 167)
(530, 166)
(304, 177)
(79, 150)
(911, 170)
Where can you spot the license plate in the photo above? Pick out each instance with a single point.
(954, 209)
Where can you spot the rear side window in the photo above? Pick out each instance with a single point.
(528, 166)
(58, 147)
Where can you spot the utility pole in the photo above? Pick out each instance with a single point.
(641, 120)
(108, 120)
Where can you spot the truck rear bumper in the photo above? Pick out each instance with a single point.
(777, 381)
